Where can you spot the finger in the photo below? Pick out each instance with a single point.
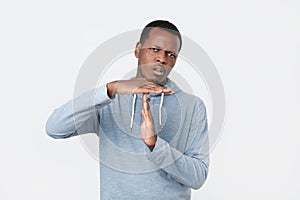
(159, 89)
(150, 85)
(167, 91)
(153, 87)
(143, 114)
(146, 91)
(145, 102)
(154, 90)
(144, 98)
(145, 117)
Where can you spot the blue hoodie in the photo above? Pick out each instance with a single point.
(128, 168)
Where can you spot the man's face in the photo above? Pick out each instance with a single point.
(157, 55)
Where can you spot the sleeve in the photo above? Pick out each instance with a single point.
(191, 167)
(78, 115)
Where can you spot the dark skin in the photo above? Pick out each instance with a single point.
(156, 57)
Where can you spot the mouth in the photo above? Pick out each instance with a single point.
(158, 70)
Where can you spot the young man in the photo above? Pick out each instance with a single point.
(153, 136)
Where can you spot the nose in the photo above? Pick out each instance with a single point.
(161, 57)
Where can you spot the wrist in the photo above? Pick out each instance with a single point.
(111, 89)
(150, 142)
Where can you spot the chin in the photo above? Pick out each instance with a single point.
(157, 81)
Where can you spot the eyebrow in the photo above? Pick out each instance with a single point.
(168, 51)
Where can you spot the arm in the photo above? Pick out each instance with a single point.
(191, 167)
(77, 116)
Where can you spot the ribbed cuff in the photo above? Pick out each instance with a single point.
(163, 154)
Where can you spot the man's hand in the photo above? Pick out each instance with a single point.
(135, 86)
(147, 127)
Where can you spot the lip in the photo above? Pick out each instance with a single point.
(158, 71)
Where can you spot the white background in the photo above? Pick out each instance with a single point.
(254, 45)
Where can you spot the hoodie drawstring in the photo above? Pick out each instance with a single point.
(133, 110)
(160, 109)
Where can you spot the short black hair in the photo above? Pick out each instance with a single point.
(163, 24)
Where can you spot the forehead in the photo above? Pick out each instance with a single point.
(161, 38)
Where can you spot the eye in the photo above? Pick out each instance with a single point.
(154, 49)
(172, 55)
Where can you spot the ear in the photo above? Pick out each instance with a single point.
(137, 49)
